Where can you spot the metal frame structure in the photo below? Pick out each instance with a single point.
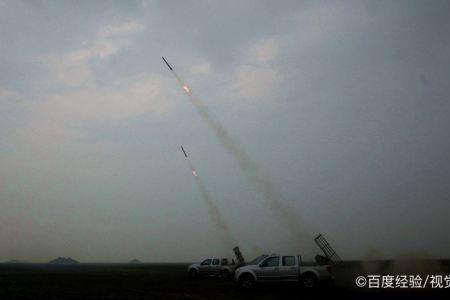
(327, 249)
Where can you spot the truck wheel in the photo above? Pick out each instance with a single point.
(225, 274)
(246, 281)
(193, 273)
(309, 281)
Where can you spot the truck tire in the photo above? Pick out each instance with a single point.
(193, 273)
(225, 274)
(246, 281)
(309, 280)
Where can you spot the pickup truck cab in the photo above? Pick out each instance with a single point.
(212, 266)
(278, 268)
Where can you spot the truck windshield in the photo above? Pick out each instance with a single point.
(258, 259)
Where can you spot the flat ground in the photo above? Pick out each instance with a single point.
(170, 281)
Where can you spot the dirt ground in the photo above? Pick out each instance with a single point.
(170, 281)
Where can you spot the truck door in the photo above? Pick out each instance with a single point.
(204, 266)
(289, 268)
(215, 266)
(269, 269)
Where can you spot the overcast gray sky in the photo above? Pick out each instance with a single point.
(344, 105)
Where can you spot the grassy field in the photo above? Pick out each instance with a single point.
(170, 281)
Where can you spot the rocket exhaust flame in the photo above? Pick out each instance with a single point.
(214, 212)
(250, 169)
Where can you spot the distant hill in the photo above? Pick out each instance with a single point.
(13, 261)
(135, 261)
(63, 261)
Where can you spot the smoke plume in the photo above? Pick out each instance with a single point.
(250, 168)
(214, 212)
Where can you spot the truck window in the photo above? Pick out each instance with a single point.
(215, 262)
(206, 262)
(271, 262)
(224, 262)
(288, 260)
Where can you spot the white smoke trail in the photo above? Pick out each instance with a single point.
(214, 212)
(250, 169)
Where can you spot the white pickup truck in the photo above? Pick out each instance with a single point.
(275, 267)
(212, 266)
